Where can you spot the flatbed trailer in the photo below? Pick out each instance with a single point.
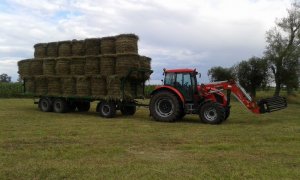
(107, 107)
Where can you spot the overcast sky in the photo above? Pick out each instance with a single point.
(174, 33)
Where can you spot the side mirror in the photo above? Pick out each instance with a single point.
(162, 81)
(199, 75)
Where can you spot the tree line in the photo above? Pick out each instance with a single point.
(280, 63)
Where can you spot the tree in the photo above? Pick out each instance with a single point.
(220, 74)
(5, 78)
(252, 74)
(282, 50)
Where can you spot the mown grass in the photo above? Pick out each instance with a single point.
(37, 145)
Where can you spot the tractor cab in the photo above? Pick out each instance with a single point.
(183, 80)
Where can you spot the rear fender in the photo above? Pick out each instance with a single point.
(171, 89)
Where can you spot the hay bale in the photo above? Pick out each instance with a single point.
(127, 43)
(40, 50)
(24, 67)
(107, 65)
(92, 66)
(64, 48)
(78, 48)
(36, 67)
(41, 85)
(125, 62)
(29, 85)
(82, 86)
(68, 86)
(62, 66)
(114, 88)
(92, 46)
(77, 65)
(49, 66)
(145, 63)
(54, 85)
(98, 86)
(52, 49)
(108, 45)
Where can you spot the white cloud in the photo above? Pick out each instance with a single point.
(175, 33)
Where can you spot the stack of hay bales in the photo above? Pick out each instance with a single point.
(94, 67)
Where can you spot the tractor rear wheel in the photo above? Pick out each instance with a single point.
(164, 106)
(212, 113)
(107, 109)
(45, 105)
(60, 105)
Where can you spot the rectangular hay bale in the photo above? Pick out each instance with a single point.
(54, 85)
(98, 86)
(92, 65)
(92, 46)
(77, 65)
(107, 65)
(83, 86)
(62, 66)
(68, 86)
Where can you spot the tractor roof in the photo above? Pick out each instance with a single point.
(180, 70)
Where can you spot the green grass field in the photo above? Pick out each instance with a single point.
(37, 145)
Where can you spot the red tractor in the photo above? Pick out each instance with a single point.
(180, 95)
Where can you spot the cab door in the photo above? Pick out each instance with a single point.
(185, 85)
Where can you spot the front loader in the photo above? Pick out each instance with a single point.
(181, 95)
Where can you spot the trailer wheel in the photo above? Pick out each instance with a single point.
(45, 105)
(128, 110)
(60, 105)
(164, 106)
(212, 113)
(83, 106)
(107, 109)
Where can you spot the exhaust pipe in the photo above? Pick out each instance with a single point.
(272, 104)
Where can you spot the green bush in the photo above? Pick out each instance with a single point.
(8, 90)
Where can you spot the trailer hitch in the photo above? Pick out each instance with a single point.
(272, 104)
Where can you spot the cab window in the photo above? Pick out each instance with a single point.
(169, 79)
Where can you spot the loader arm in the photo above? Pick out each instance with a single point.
(262, 106)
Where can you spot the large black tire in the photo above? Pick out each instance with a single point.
(107, 109)
(46, 105)
(212, 113)
(165, 107)
(60, 105)
(83, 106)
(128, 110)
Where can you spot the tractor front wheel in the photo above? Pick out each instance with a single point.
(164, 106)
(212, 113)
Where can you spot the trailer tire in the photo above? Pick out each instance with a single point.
(164, 107)
(107, 109)
(212, 113)
(45, 105)
(83, 106)
(60, 105)
(128, 110)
